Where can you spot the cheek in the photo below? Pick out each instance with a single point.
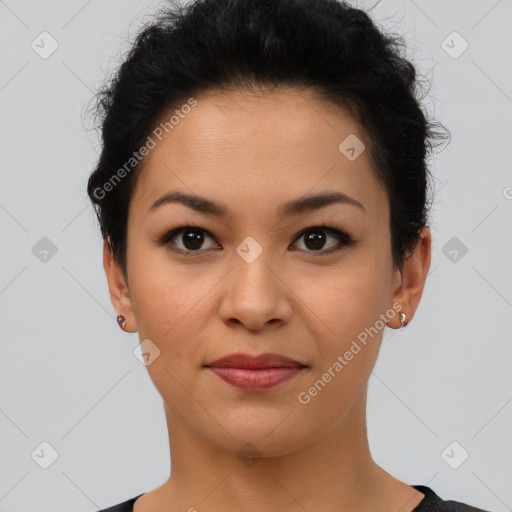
(170, 312)
(162, 292)
(345, 308)
(173, 308)
(344, 298)
(166, 312)
(347, 340)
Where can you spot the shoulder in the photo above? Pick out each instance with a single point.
(434, 503)
(125, 506)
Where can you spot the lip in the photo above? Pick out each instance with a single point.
(255, 373)
(261, 361)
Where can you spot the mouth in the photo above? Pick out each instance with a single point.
(256, 373)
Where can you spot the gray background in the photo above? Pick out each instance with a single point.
(68, 374)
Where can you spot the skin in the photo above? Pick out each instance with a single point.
(253, 153)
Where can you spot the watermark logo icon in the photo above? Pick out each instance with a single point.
(44, 45)
(44, 455)
(454, 249)
(146, 352)
(249, 454)
(249, 249)
(454, 45)
(351, 147)
(454, 455)
(44, 250)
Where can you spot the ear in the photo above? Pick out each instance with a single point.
(410, 280)
(118, 288)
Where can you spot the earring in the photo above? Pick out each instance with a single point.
(403, 318)
(121, 320)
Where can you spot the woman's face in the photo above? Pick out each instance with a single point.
(247, 280)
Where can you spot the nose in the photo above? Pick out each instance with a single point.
(255, 295)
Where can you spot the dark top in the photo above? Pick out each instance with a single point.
(430, 503)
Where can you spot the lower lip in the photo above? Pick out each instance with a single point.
(256, 380)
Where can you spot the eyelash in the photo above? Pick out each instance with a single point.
(343, 238)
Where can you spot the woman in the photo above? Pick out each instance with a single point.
(262, 193)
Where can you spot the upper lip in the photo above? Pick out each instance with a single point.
(246, 361)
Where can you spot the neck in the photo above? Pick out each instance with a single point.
(335, 472)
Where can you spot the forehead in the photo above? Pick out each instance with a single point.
(263, 146)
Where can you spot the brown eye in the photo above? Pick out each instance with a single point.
(188, 239)
(192, 239)
(316, 239)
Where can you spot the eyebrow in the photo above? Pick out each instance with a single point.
(293, 207)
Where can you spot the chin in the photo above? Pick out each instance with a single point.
(271, 435)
